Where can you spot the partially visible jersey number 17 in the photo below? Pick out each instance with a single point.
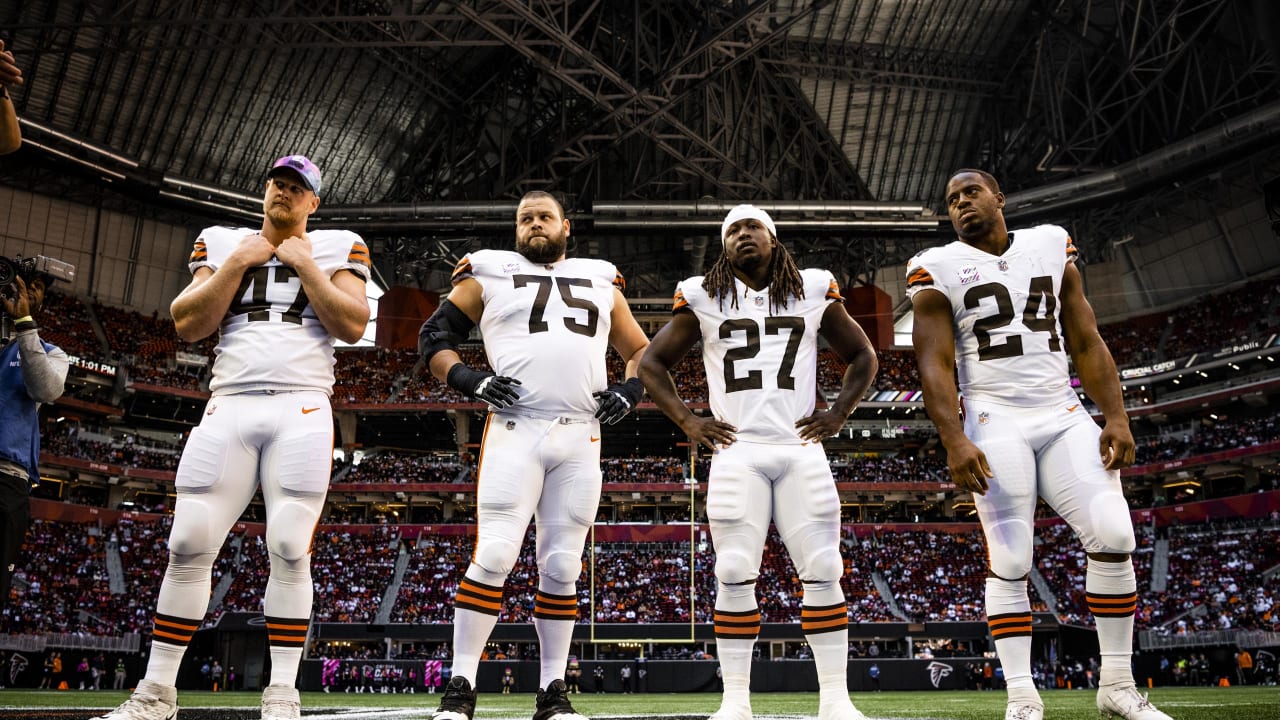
(258, 307)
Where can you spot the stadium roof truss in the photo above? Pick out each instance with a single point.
(429, 118)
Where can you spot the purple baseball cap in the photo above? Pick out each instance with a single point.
(299, 164)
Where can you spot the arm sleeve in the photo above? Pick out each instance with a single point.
(43, 372)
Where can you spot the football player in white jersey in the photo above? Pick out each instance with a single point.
(547, 324)
(278, 296)
(1001, 309)
(759, 317)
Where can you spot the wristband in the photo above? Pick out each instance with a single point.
(24, 319)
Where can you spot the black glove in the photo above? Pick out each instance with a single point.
(617, 400)
(497, 390)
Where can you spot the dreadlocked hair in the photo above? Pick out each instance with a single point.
(784, 279)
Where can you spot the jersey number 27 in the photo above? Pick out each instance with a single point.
(754, 379)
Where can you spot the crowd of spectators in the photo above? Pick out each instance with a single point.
(60, 584)
(66, 322)
(1215, 321)
(1212, 435)
(107, 445)
(934, 576)
(1136, 340)
(148, 346)
(1215, 580)
(643, 469)
(402, 468)
(902, 467)
(351, 573)
(370, 374)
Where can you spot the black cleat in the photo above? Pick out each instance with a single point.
(458, 701)
(553, 703)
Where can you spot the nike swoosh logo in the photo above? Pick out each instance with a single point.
(595, 439)
(308, 411)
(1073, 407)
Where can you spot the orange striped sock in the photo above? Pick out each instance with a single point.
(824, 618)
(1009, 625)
(174, 630)
(555, 607)
(1112, 605)
(479, 597)
(737, 624)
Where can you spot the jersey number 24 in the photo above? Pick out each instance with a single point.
(1040, 292)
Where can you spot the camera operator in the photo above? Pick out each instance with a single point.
(32, 372)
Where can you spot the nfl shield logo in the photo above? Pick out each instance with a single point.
(511, 424)
(983, 418)
(759, 301)
(1004, 266)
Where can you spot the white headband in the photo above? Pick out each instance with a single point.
(743, 212)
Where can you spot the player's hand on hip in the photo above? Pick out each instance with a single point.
(294, 251)
(615, 401)
(709, 431)
(969, 467)
(1116, 447)
(497, 390)
(819, 426)
(254, 250)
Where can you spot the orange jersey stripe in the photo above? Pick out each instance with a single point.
(678, 301)
(620, 282)
(833, 291)
(919, 277)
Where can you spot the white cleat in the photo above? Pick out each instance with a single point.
(1126, 702)
(280, 702)
(149, 701)
(732, 712)
(1023, 711)
(839, 710)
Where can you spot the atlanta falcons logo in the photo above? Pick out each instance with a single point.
(937, 671)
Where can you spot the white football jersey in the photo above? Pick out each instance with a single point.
(271, 338)
(546, 325)
(1009, 346)
(762, 366)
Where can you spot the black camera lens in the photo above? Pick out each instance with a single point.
(8, 271)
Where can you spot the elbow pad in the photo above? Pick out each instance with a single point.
(446, 327)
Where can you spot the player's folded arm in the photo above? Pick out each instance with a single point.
(447, 327)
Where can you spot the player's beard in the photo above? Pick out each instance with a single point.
(542, 249)
(281, 216)
(747, 264)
